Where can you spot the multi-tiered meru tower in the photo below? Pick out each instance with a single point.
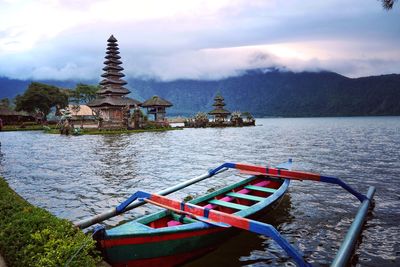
(220, 114)
(112, 105)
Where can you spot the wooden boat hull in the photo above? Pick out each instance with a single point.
(169, 249)
(169, 239)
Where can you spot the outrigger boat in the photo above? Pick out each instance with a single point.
(186, 230)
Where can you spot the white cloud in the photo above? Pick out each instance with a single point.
(196, 39)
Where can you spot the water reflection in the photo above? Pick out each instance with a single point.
(78, 176)
(248, 248)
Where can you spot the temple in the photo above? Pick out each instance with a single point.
(220, 114)
(112, 106)
(237, 118)
(156, 106)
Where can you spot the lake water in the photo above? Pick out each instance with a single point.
(78, 176)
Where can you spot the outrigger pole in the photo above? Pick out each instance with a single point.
(113, 212)
(221, 219)
(345, 251)
(82, 224)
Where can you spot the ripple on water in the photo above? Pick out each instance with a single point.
(75, 177)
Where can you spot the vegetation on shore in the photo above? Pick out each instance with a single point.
(26, 126)
(52, 129)
(90, 131)
(97, 131)
(31, 236)
(9, 128)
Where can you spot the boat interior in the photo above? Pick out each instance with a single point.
(229, 199)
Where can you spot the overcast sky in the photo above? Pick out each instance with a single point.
(169, 39)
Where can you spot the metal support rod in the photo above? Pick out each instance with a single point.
(113, 212)
(334, 180)
(346, 249)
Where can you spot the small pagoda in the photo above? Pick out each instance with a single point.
(156, 106)
(220, 114)
(112, 106)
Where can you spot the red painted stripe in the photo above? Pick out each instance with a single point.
(235, 221)
(166, 201)
(251, 168)
(301, 175)
(214, 215)
(251, 172)
(279, 172)
(108, 243)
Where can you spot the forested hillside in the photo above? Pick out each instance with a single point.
(272, 93)
(282, 94)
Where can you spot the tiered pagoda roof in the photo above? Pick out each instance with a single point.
(219, 107)
(112, 92)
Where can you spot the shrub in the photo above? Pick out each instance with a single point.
(31, 236)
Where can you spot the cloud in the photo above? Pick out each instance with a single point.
(50, 39)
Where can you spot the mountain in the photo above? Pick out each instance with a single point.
(276, 93)
(9, 88)
(264, 93)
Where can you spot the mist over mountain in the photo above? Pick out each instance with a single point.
(276, 93)
(263, 93)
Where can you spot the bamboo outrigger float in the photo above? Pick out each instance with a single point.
(186, 230)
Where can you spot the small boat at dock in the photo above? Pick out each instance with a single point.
(187, 230)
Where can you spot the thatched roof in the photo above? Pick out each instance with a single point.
(218, 97)
(113, 101)
(219, 103)
(156, 101)
(117, 68)
(80, 110)
(112, 39)
(110, 90)
(112, 82)
(219, 111)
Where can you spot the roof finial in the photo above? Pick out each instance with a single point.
(112, 39)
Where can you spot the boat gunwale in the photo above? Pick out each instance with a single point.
(128, 229)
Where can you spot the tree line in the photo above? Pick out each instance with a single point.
(40, 99)
(276, 93)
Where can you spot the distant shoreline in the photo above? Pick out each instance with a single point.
(181, 119)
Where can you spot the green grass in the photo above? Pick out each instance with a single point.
(29, 127)
(31, 236)
(97, 131)
(88, 131)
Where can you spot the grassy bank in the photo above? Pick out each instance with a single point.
(31, 236)
(35, 127)
(97, 131)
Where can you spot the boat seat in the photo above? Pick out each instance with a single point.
(244, 196)
(243, 191)
(228, 204)
(260, 188)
